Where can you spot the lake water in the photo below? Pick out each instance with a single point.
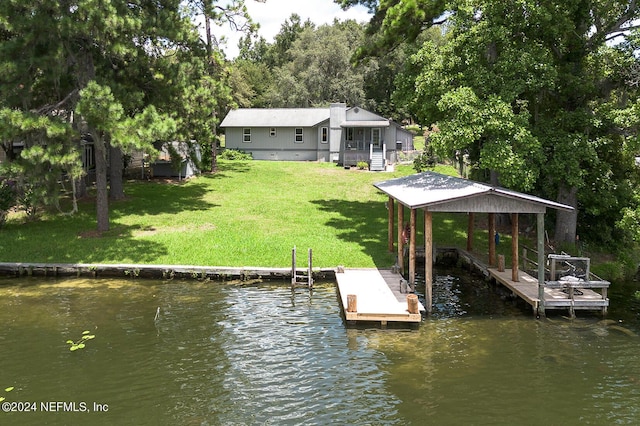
(225, 353)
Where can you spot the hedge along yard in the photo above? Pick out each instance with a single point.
(250, 213)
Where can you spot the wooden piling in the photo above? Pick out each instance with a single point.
(412, 304)
(492, 240)
(501, 263)
(391, 218)
(352, 303)
(515, 262)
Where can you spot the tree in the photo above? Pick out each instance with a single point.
(320, 71)
(105, 119)
(137, 54)
(48, 153)
(234, 14)
(520, 87)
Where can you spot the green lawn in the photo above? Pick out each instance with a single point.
(249, 214)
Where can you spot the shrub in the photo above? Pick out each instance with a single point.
(425, 161)
(8, 198)
(235, 154)
(362, 165)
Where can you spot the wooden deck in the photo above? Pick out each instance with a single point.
(378, 296)
(554, 296)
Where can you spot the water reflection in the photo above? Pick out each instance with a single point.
(258, 354)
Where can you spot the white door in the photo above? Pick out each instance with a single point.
(375, 137)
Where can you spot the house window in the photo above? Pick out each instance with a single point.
(324, 138)
(246, 135)
(299, 135)
(272, 132)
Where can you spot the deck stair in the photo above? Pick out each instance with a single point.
(377, 161)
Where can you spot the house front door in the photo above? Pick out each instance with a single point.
(375, 138)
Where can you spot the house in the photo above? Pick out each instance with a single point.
(338, 134)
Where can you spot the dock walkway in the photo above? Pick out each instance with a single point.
(378, 296)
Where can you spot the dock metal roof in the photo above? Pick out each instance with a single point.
(275, 117)
(441, 193)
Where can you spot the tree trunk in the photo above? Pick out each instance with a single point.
(102, 195)
(81, 187)
(116, 165)
(567, 221)
(214, 149)
(214, 142)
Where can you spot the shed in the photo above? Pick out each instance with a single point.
(188, 153)
(435, 192)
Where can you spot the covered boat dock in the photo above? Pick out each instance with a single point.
(432, 192)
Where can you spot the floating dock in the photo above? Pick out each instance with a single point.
(376, 296)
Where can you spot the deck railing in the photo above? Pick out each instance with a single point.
(572, 279)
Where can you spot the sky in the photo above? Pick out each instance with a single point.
(272, 13)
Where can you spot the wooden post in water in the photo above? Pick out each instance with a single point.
(515, 262)
(501, 263)
(400, 237)
(293, 267)
(428, 256)
(540, 232)
(470, 227)
(310, 270)
(492, 239)
(390, 206)
(412, 250)
(412, 304)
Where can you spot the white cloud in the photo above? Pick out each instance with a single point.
(272, 13)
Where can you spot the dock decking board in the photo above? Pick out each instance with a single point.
(554, 298)
(378, 296)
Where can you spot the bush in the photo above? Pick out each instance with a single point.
(8, 198)
(235, 154)
(362, 165)
(425, 161)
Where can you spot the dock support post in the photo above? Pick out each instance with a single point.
(540, 232)
(515, 262)
(293, 267)
(390, 206)
(310, 270)
(400, 237)
(412, 304)
(352, 303)
(470, 226)
(428, 256)
(492, 240)
(412, 250)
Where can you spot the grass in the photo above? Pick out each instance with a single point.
(249, 214)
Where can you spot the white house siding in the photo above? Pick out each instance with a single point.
(359, 114)
(282, 146)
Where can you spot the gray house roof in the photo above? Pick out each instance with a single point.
(275, 117)
(442, 193)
